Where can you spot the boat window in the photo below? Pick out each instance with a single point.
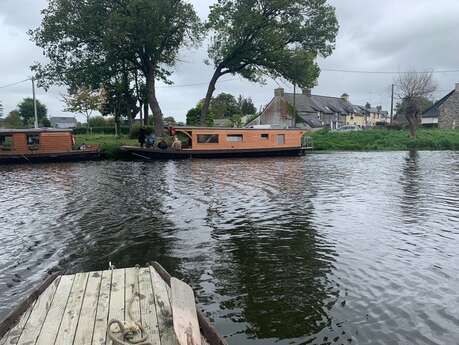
(6, 142)
(264, 136)
(234, 137)
(207, 138)
(33, 139)
(281, 139)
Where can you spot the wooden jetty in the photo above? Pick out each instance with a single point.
(77, 310)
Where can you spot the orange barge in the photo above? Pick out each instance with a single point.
(198, 142)
(42, 145)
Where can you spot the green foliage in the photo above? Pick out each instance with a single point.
(424, 104)
(277, 38)
(100, 121)
(27, 115)
(246, 106)
(193, 116)
(170, 121)
(109, 144)
(224, 106)
(13, 120)
(382, 139)
(82, 100)
(94, 42)
(136, 129)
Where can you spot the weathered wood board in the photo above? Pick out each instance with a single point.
(75, 310)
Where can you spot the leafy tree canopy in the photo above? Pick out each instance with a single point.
(94, 41)
(424, 103)
(27, 115)
(275, 38)
(13, 120)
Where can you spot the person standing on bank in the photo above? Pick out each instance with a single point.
(142, 136)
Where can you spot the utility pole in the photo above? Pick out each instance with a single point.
(392, 105)
(34, 103)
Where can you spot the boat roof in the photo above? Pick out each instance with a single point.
(236, 129)
(33, 130)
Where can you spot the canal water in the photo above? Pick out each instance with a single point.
(343, 248)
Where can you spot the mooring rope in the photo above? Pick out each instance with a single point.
(128, 330)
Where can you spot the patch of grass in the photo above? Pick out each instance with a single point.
(386, 140)
(109, 144)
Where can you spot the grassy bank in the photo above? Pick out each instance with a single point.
(109, 144)
(382, 139)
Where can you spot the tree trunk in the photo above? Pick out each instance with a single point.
(154, 105)
(412, 124)
(145, 112)
(210, 92)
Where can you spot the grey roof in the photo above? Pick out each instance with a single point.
(323, 104)
(32, 130)
(63, 119)
(434, 110)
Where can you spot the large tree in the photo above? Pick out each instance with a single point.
(413, 89)
(94, 41)
(27, 113)
(274, 38)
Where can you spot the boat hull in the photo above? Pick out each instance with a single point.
(155, 154)
(75, 156)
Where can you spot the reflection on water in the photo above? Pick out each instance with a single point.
(326, 249)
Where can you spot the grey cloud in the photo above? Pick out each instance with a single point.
(374, 35)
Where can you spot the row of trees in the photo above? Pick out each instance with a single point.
(24, 115)
(222, 107)
(121, 48)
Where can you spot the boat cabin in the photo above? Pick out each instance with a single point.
(35, 141)
(199, 138)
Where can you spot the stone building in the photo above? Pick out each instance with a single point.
(445, 112)
(312, 111)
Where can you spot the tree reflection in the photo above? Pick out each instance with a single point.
(120, 219)
(411, 187)
(273, 270)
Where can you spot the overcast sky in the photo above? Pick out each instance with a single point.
(390, 35)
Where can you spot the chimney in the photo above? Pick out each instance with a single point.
(345, 97)
(457, 87)
(279, 92)
(307, 92)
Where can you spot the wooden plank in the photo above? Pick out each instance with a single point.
(85, 329)
(13, 318)
(132, 297)
(13, 335)
(163, 309)
(33, 326)
(53, 319)
(100, 327)
(207, 329)
(147, 307)
(4, 338)
(186, 323)
(71, 316)
(117, 302)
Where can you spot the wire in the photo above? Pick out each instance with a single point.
(13, 84)
(188, 85)
(385, 72)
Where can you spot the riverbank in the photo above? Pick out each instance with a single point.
(368, 140)
(386, 140)
(109, 144)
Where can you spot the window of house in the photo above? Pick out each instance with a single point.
(207, 138)
(264, 136)
(33, 139)
(6, 142)
(281, 139)
(234, 138)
